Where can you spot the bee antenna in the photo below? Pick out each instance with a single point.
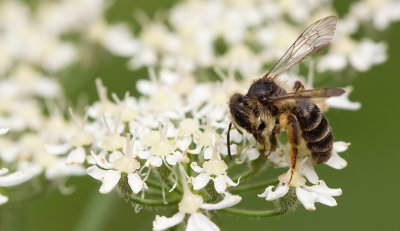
(228, 141)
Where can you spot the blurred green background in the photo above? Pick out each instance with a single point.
(370, 199)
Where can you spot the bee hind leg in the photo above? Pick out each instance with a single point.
(293, 130)
(273, 137)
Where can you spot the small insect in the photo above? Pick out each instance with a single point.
(270, 106)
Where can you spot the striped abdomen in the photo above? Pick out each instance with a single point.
(316, 130)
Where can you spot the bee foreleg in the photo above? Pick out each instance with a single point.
(298, 86)
(293, 130)
(273, 137)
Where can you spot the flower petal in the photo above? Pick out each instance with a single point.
(343, 101)
(317, 193)
(252, 153)
(199, 222)
(101, 160)
(115, 155)
(207, 153)
(306, 198)
(340, 146)
(58, 149)
(228, 201)
(3, 131)
(174, 158)
(60, 169)
(110, 178)
(322, 188)
(154, 162)
(223, 149)
(196, 168)
(76, 156)
(15, 178)
(136, 183)
(220, 183)
(3, 171)
(163, 223)
(230, 182)
(336, 161)
(306, 169)
(3, 199)
(200, 181)
(236, 136)
(279, 192)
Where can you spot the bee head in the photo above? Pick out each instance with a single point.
(262, 90)
(241, 112)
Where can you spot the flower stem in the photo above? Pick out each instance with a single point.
(153, 184)
(253, 186)
(252, 213)
(152, 202)
(244, 175)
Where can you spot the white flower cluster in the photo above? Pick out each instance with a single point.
(173, 137)
(172, 128)
(35, 36)
(248, 35)
(34, 50)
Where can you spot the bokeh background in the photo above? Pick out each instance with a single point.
(370, 183)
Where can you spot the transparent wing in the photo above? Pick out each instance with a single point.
(312, 93)
(315, 38)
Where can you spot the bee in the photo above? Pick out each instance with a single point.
(270, 106)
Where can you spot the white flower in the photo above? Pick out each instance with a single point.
(336, 161)
(112, 141)
(380, 12)
(368, 53)
(12, 179)
(3, 131)
(213, 169)
(305, 165)
(80, 139)
(160, 148)
(191, 204)
(307, 195)
(343, 101)
(119, 41)
(109, 171)
(346, 51)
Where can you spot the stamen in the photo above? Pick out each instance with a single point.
(106, 124)
(173, 172)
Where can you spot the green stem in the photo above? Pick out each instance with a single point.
(153, 184)
(253, 186)
(164, 173)
(150, 202)
(252, 213)
(244, 175)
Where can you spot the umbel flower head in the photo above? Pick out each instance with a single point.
(191, 205)
(109, 168)
(168, 147)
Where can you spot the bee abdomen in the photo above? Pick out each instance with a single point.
(322, 149)
(323, 145)
(309, 116)
(316, 131)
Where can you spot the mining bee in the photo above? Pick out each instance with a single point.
(270, 106)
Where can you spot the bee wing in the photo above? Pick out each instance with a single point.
(313, 93)
(315, 38)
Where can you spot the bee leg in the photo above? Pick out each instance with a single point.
(298, 86)
(259, 134)
(293, 130)
(273, 137)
